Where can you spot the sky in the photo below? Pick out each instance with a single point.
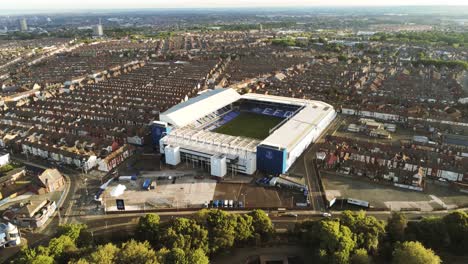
(137, 4)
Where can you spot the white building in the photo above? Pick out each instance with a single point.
(23, 25)
(98, 29)
(9, 235)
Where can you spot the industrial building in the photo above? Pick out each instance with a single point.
(190, 131)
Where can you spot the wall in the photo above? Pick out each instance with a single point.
(271, 159)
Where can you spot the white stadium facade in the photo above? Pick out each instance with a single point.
(185, 132)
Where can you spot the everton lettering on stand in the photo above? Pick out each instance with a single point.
(272, 112)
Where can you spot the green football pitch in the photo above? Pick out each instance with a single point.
(249, 125)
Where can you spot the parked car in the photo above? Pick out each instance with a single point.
(226, 203)
(290, 215)
(345, 170)
(215, 203)
(231, 203)
(241, 204)
(326, 214)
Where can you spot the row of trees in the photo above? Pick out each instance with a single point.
(210, 230)
(180, 240)
(353, 238)
(358, 238)
(443, 63)
(287, 42)
(427, 37)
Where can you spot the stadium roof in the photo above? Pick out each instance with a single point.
(275, 99)
(289, 134)
(198, 107)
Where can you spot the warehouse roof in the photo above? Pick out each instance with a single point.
(198, 107)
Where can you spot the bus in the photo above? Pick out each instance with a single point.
(358, 202)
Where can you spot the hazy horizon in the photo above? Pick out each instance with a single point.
(408, 8)
(60, 5)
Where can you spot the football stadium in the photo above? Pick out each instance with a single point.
(226, 132)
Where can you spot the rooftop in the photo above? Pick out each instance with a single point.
(197, 107)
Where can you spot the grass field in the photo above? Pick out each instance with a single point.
(249, 125)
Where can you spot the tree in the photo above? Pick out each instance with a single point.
(244, 228)
(148, 228)
(176, 256)
(104, 254)
(133, 252)
(57, 246)
(72, 230)
(414, 253)
(366, 229)
(430, 231)
(335, 241)
(79, 261)
(261, 223)
(221, 228)
(185, 234)
(42, 259)
(360, 256)
(197, 256)
(396, 227)
(26, 255)
(31, 256)
(456, 224)
(179, 256)
(77, 232)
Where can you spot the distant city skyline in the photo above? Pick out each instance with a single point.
(57, 5)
